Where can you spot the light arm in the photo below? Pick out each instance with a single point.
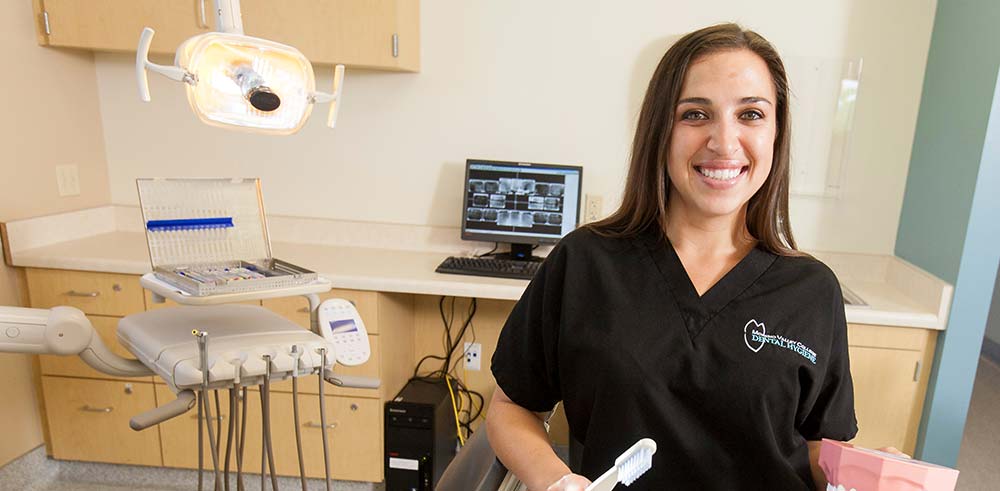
(61, 331)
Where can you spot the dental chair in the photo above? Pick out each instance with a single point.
(475, 468)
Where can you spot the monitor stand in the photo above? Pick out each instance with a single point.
(519, 252)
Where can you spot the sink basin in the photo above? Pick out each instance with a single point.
(851, 298)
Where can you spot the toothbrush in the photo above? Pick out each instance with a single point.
(631, 464)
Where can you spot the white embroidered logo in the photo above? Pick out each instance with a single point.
(755, 336)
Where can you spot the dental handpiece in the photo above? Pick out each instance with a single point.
(202, 337)
(322, 416)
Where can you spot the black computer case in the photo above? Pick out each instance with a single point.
(420, 436)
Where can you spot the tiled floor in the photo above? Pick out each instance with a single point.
(979, 457)
(35, 472)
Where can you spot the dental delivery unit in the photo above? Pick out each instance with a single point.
(213, 231)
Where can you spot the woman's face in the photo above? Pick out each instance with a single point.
(722, 143)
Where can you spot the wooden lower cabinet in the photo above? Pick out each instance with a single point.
(354, 436)
(890, 367)
(88, 420)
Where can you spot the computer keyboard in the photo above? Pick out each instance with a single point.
(489, 266)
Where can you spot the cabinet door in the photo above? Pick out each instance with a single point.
(115, 25)
(885, 395)
(353, 32)
(73, 366)
(88, 420)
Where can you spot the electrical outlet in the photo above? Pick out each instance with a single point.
(473, 356)
(68, 179)
(593, 209)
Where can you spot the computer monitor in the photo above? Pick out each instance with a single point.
(520, 203)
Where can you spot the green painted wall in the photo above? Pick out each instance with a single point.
(948, 224)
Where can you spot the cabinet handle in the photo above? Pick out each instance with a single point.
(311, 424)
(202, 418)
(916, 372)
(45, 20)
(203, 21)
(395, 45)
(303, 310)
(74, 293)
(90, 409)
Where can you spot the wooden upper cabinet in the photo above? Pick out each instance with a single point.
(115, 25)
(378, 34)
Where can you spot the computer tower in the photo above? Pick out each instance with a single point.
(419, 436)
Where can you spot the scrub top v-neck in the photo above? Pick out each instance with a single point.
(730, 384)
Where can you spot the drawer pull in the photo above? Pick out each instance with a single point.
(90, 409)
(303, 310)
(74, 293)
(311, 424)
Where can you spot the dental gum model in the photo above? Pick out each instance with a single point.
(850, 468)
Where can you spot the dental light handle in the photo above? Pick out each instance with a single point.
(334, 97)
(142, 64)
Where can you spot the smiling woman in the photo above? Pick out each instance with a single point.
(688, 316)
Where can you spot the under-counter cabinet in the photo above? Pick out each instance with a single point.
(376, 34)
(890, 367)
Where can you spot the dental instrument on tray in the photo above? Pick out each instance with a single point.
(629, 466)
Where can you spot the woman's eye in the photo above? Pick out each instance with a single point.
(752, 115)
(694, 116)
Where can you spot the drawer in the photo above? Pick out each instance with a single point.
(88, 420)
(93, 293)
(309, 385)
(355, 438)
(73, 366)
(151, 305)
(297, 308)
(905, 338)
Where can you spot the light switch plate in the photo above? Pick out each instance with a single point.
(68, 180)
(593, 208)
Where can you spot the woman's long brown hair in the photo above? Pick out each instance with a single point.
(647, 188)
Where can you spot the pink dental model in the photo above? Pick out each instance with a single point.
(850, 468)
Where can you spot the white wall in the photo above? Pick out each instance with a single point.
(50, 118)
(554, 81)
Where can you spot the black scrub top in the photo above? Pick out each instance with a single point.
(730, 385)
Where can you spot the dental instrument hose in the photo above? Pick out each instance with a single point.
(295, 411)
(229, 434)
(265, 408)
(201, 445)
(322, 416)
(242, 435)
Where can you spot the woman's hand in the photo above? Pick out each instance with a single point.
(569, 482)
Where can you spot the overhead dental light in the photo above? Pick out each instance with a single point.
(235, 80)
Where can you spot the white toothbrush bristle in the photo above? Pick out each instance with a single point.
(635, 466)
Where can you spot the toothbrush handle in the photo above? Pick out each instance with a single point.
(606, 482)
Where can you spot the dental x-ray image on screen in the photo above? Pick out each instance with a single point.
(520, 202)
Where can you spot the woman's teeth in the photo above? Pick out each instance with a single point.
(720, 174)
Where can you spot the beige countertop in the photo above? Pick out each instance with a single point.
(897, 293)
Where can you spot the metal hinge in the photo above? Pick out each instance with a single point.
(45, 19)
(395, 45)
